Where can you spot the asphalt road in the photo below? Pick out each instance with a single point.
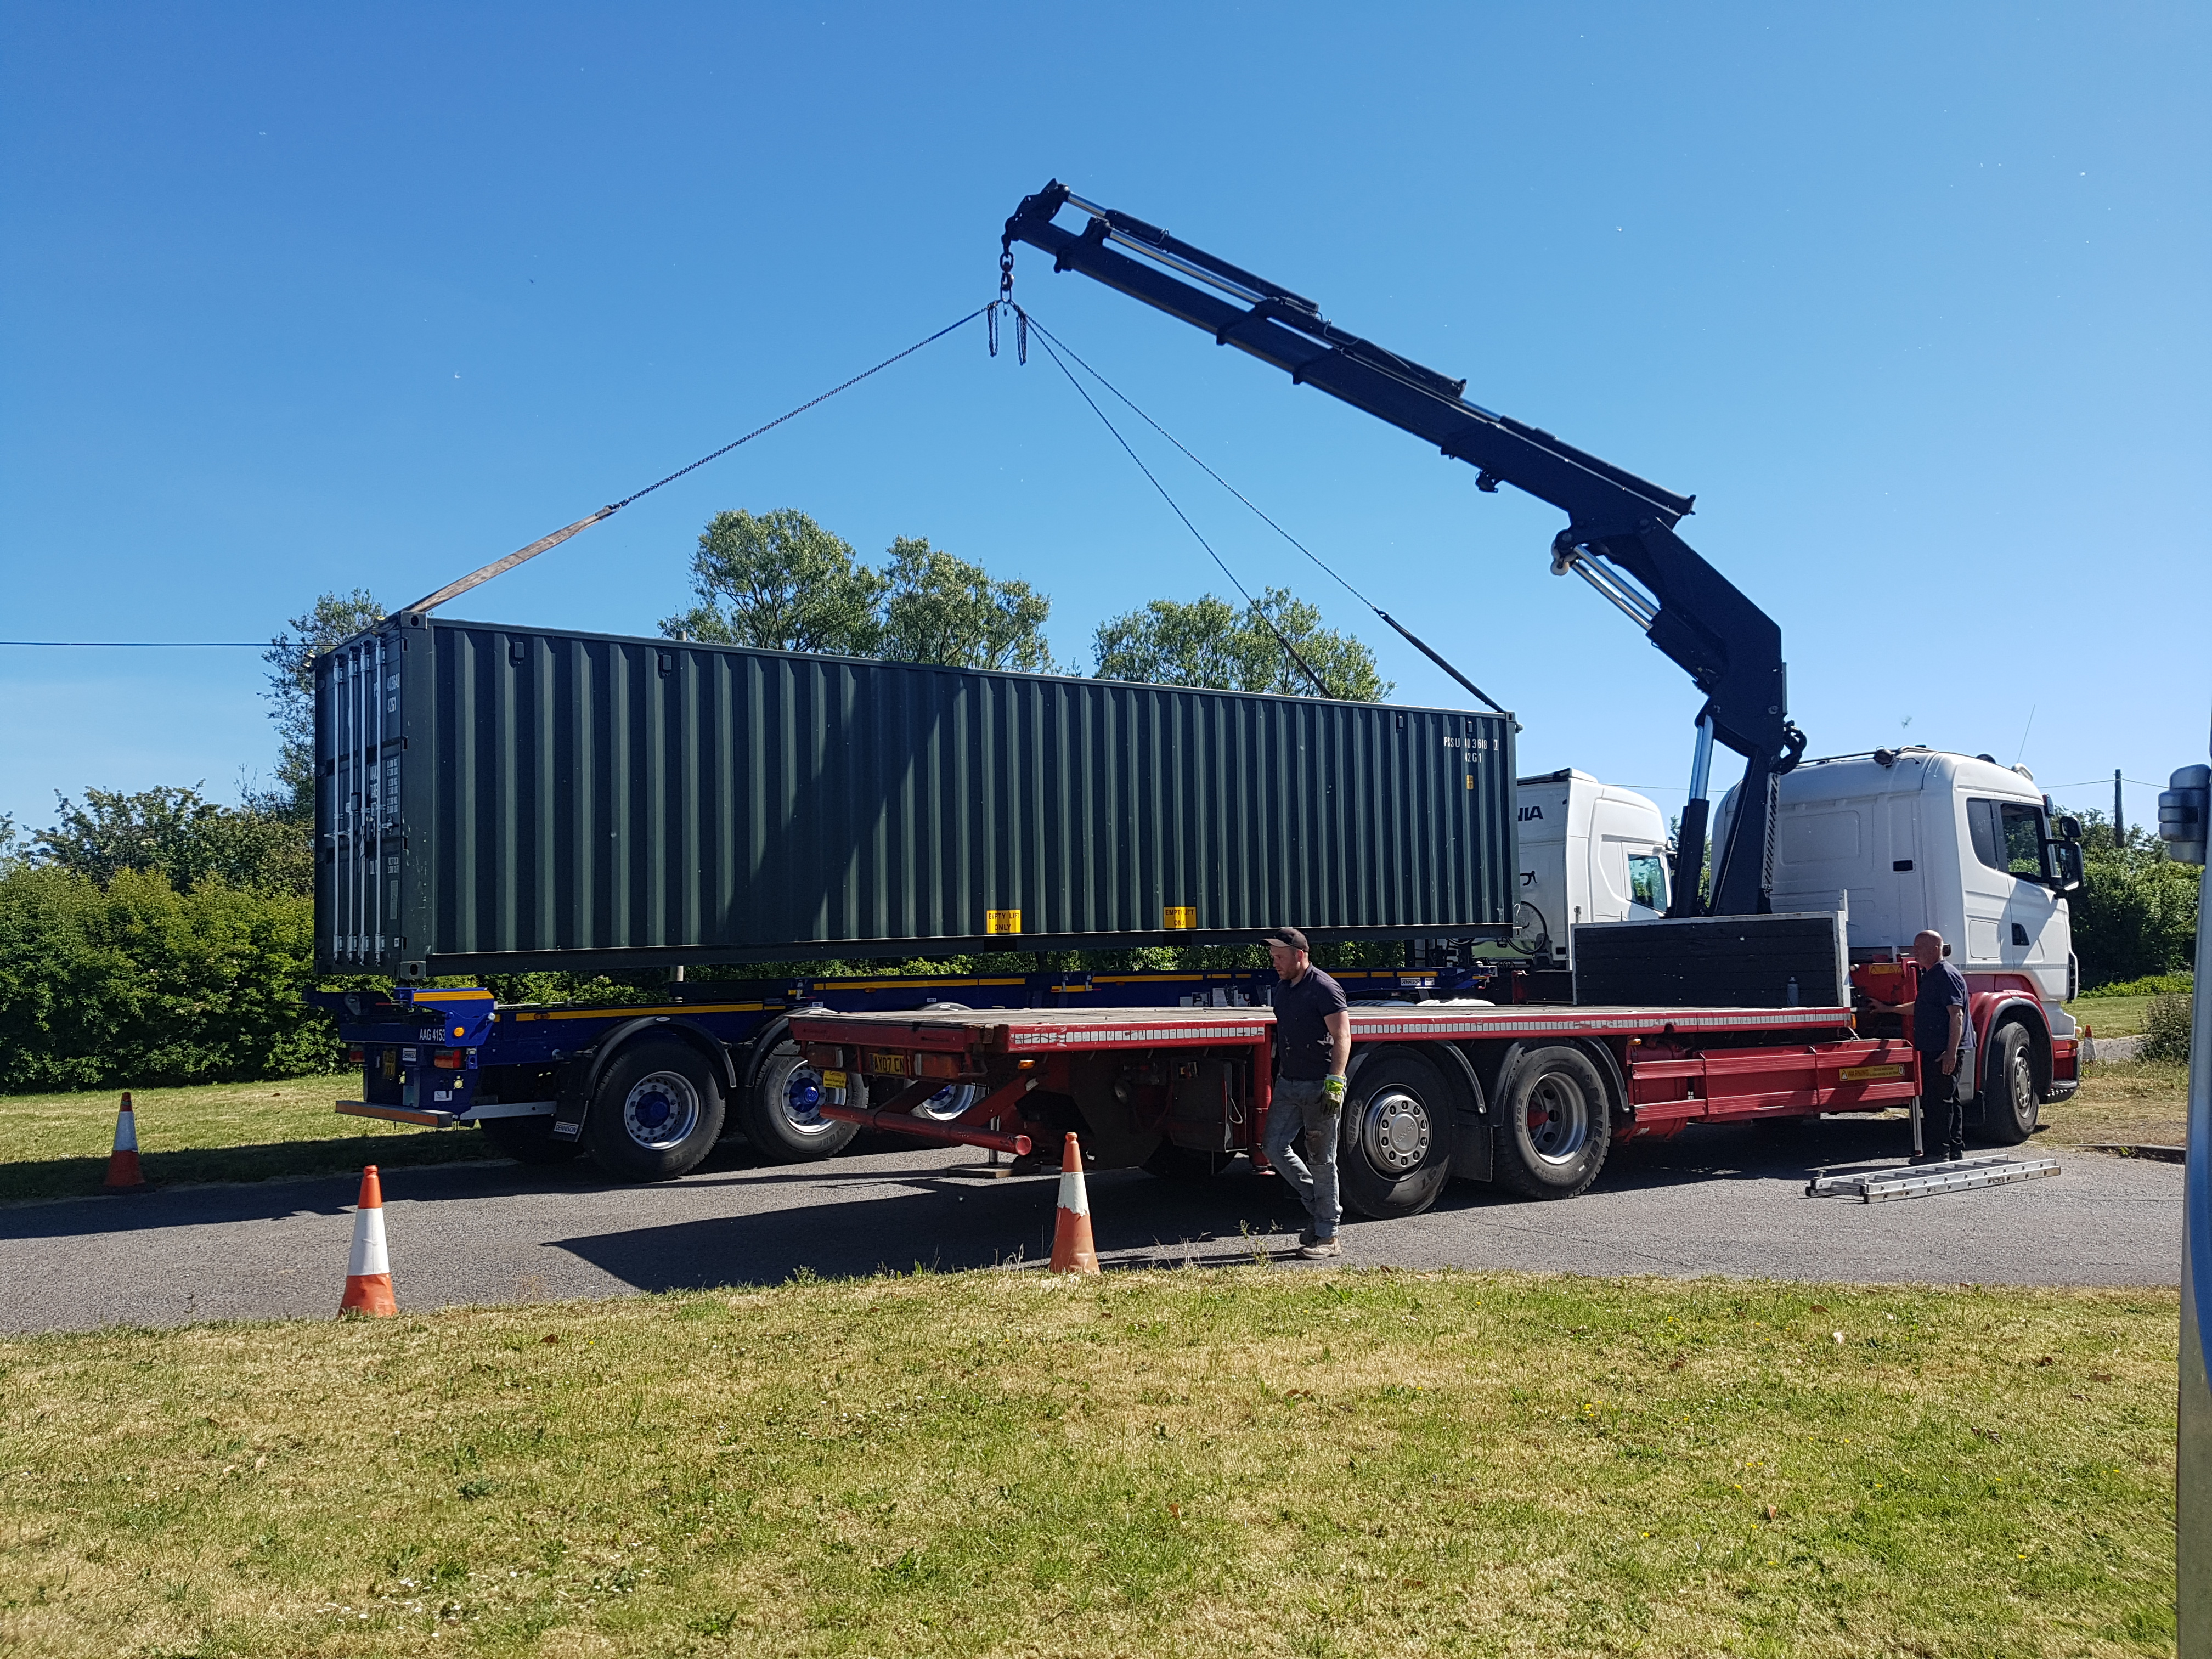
(1726, 1201)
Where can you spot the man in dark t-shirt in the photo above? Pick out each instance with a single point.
(1939, 1035)
(1313, 1046)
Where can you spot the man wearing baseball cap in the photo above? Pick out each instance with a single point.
(1313, 1046)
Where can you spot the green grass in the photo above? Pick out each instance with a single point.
(2130, 1102)
(1202, 1463)
(2111, 1017)
(57, 1145)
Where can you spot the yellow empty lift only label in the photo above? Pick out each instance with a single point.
(1002, 921)
(1178, 916)
(1870, 1074)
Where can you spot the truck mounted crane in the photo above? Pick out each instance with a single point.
(1621, 533)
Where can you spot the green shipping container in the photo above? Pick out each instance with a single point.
(495, 799)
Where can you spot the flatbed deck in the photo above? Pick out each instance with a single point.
(1019, 1030)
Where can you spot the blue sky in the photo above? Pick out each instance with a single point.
(1912, 298)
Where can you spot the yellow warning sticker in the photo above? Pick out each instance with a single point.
(1179, 916)
(1002, 921)
(834, 1080)
(1870, 1074)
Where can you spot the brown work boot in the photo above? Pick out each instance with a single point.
(1321, 1249)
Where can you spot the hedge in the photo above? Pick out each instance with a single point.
(135, 984)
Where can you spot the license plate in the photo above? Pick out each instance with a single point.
(888, 1065)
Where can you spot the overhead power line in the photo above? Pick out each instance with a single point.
(142, 645)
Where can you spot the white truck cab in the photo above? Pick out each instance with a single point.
(1919, 839)
(1590, 852)
(1916, 838)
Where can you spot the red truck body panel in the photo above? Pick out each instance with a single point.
(1989, 998)
(1676, 1066)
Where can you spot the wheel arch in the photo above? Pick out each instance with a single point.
(1494, 1061)
(759, 1046)
(611, 1046)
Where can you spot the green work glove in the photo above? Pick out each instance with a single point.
(1331, 1091)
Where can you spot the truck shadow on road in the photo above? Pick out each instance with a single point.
(918, 1217)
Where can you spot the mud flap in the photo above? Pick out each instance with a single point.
(1471, 1148)
(574, 1099)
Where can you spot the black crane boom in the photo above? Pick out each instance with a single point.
(1726, 644)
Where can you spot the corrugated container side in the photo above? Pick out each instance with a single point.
(496, 798)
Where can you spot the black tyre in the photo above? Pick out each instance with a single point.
(2009, 1105)
(657, 1111)
(781, 1112)
(528, 1139)
(1395, 1150)
(1554, 1124)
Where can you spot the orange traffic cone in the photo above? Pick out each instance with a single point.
(122, 1175)
(368, 1274)
(1072, 1252)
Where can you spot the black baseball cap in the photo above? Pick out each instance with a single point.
(1289, 936)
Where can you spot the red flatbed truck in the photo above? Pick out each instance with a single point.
(1531, 1098)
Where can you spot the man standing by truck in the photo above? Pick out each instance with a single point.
(1313, 1047)
(1939, 1034)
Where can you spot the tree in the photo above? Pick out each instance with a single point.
(333, 619)
(2135, 914)
(1211, 643)
(943, 609)
(780, 581)
(174, 833)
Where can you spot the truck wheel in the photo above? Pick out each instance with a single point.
(528, 1139)
(949, 1102)
(2009, 1107)
(1554, 1124)
(781, 1114)
(1394, 1152)
(657, 1112)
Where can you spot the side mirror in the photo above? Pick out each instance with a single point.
(2182, 811)
(2069, 864)
(2069, 828)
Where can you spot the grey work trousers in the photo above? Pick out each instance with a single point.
(1297, 1111)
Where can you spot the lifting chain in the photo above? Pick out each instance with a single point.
(1006, 303)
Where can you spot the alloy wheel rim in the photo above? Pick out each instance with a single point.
(1557, 1122)
(801, 1099)
(1395, 1131)
(949, 1102)
(661, 1111)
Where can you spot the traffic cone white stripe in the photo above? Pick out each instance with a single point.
(126, 1130)
(369, 1256)
(1073, 1251)
(1073, 1197)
